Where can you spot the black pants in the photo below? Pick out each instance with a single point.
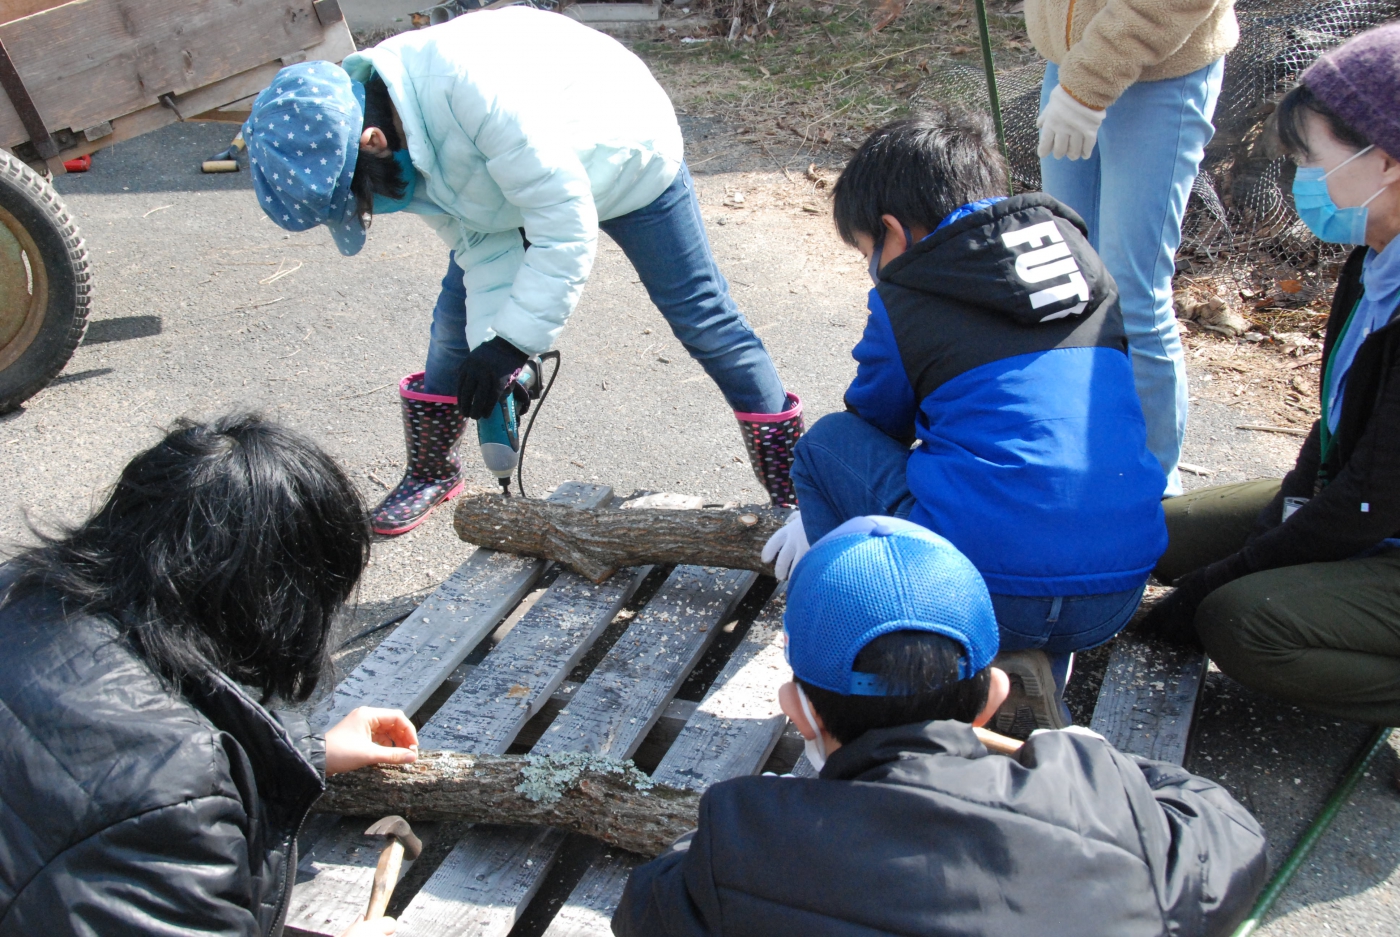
(1325, 636)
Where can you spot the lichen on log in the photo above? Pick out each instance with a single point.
(574, 791)
(596, 542)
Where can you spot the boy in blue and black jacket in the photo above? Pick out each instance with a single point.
(914, 826)
(995, 348)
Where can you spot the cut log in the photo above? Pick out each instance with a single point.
(594, 543)
(577, 792)
(608, 800)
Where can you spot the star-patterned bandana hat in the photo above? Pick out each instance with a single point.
(303, 137)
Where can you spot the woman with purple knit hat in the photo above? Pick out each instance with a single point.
(1293, 586)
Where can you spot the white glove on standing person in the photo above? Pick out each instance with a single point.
(786, 547)
(1067, 128)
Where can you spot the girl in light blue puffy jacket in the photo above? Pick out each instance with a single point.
(516, 135)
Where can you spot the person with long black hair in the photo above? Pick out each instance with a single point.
(146, 788)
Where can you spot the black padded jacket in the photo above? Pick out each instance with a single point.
(129, 808)
(918, 830)
(1353, 488)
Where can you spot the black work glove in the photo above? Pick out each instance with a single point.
(1173, 619)
(485, 375)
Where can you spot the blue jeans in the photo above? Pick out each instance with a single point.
(846, 468)
(1132, 194)
(666, 243)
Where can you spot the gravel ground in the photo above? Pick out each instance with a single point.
(202, 306)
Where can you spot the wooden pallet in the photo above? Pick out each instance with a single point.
(519, 694)
(490, 875)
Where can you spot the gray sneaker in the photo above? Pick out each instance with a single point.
(1033, 703)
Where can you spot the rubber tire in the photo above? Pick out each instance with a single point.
(35, 204)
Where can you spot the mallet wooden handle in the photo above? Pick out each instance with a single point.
(386, 876)
(997, 743)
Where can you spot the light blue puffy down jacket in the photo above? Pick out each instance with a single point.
(518, 118)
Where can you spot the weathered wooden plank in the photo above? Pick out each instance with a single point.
(336, 45)
(730, 735)
(406, 667)
(15, 9)
(673, 718)
(633, 685)
(404, 670)
(1148, 698)
(334, 877)
(803, 769)
(589, 909)
(92, 60)
(738, 722)
(483, 884)
(521, 673)
(625, 694)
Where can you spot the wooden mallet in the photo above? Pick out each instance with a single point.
(401, 843)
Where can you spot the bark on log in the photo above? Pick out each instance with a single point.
(577, 792)
(594, 543)
(574, 791)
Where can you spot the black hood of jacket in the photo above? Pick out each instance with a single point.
(919, 830)
(1012, 259)
(131, 807)
(956, 300)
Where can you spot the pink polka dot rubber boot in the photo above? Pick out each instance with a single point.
(432, 427)
(770, 438)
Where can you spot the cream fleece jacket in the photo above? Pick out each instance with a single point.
(1103, 46)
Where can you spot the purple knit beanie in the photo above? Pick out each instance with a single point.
(1360, 81)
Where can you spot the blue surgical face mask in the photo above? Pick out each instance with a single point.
(1322, 215)
(383, 205)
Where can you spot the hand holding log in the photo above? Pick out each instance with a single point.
(595, 543)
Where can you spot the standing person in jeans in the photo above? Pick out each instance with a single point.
(994, 348)
(1125, 116)
(516, 135)
(1293, 587)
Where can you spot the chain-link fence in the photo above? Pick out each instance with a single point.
(1240, 223)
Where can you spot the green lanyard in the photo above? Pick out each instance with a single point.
(1326, 434)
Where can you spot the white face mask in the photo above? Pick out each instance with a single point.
(814, 748)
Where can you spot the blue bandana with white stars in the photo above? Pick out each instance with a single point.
(303, 137)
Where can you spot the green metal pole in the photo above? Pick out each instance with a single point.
(992, 94)
(1311, 835)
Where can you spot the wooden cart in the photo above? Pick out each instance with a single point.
(76, 77)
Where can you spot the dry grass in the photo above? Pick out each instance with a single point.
(817, 71)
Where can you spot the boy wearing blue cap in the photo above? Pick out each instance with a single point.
(914, 827)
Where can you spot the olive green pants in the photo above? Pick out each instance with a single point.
(1325, 636)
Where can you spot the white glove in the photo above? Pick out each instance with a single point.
(1077, 730)
(1067, 128)
(788, 545)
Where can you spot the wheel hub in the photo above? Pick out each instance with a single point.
(24, 294)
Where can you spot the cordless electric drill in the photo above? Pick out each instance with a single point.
(499, 433)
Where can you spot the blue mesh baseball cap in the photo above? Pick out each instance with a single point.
(874, 575)
(303, 137)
